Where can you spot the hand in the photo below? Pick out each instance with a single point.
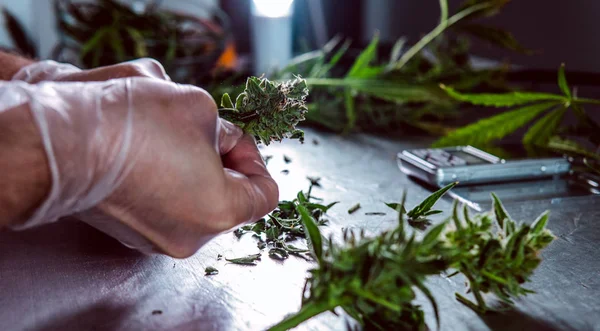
(61, 72)
(146, 158)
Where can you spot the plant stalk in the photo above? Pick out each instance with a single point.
(589, 101)
(443, 25)
(306, 312)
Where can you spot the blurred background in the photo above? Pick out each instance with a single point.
(564, 32)
(371, 65)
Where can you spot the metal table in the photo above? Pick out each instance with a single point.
(69, 276)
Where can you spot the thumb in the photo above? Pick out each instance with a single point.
(229, 135)
(251, 190)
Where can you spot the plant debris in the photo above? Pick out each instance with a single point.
(268, 110)
(285, 171)
(246, 260)
(287, 159)
(281, 229)
(157, 312)
(354, 208)
(267, 158)
(375, 213)
(210, 271)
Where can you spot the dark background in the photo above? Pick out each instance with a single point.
(563, 31)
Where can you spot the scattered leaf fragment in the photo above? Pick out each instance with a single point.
(287, 159)
(246, 260)
(354, 208)
(210, 271)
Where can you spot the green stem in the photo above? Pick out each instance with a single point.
(369, 296)
(494, 277)
(474, 288)
(443, 11)
(585, 100)
(437, 31)
(306, 312)
(468, 303)
(329, 82)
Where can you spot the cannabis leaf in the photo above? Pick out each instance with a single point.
(539, 134)
(562, 81)
(424, 208)
(502, 100)
(247, 260)
(543, 133)
(495, 127)
(312, 232)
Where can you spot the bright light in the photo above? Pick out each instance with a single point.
(273, 8)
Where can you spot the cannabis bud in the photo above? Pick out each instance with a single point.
(268, 110)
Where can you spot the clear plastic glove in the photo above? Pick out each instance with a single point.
(62, 72)
(145, 160)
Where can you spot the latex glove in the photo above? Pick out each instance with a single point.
(147, 161)
(53, 71)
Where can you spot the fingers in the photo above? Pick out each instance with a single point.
(229, 135)
(137, 68)
(252, 192)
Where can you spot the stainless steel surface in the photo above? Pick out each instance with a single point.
(68, 276)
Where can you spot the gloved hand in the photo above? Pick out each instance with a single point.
(49, 70)
(145, 160)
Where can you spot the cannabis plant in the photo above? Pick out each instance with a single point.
(372, 279)
(495, 253)
(268, 110)
(375, 279)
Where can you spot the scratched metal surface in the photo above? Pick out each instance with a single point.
(68, 276)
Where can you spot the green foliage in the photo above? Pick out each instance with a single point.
(268, 110)
(540, 133)
(417, 217)
(287, 224)
(424, 208)
(504, 99)
(494, 128)
(562, 82)
(106, 32)
(547, 132)
(378, 93)
(375, 279)
(496, 261)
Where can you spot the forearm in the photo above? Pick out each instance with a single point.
(24, 172)
(10, 64)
